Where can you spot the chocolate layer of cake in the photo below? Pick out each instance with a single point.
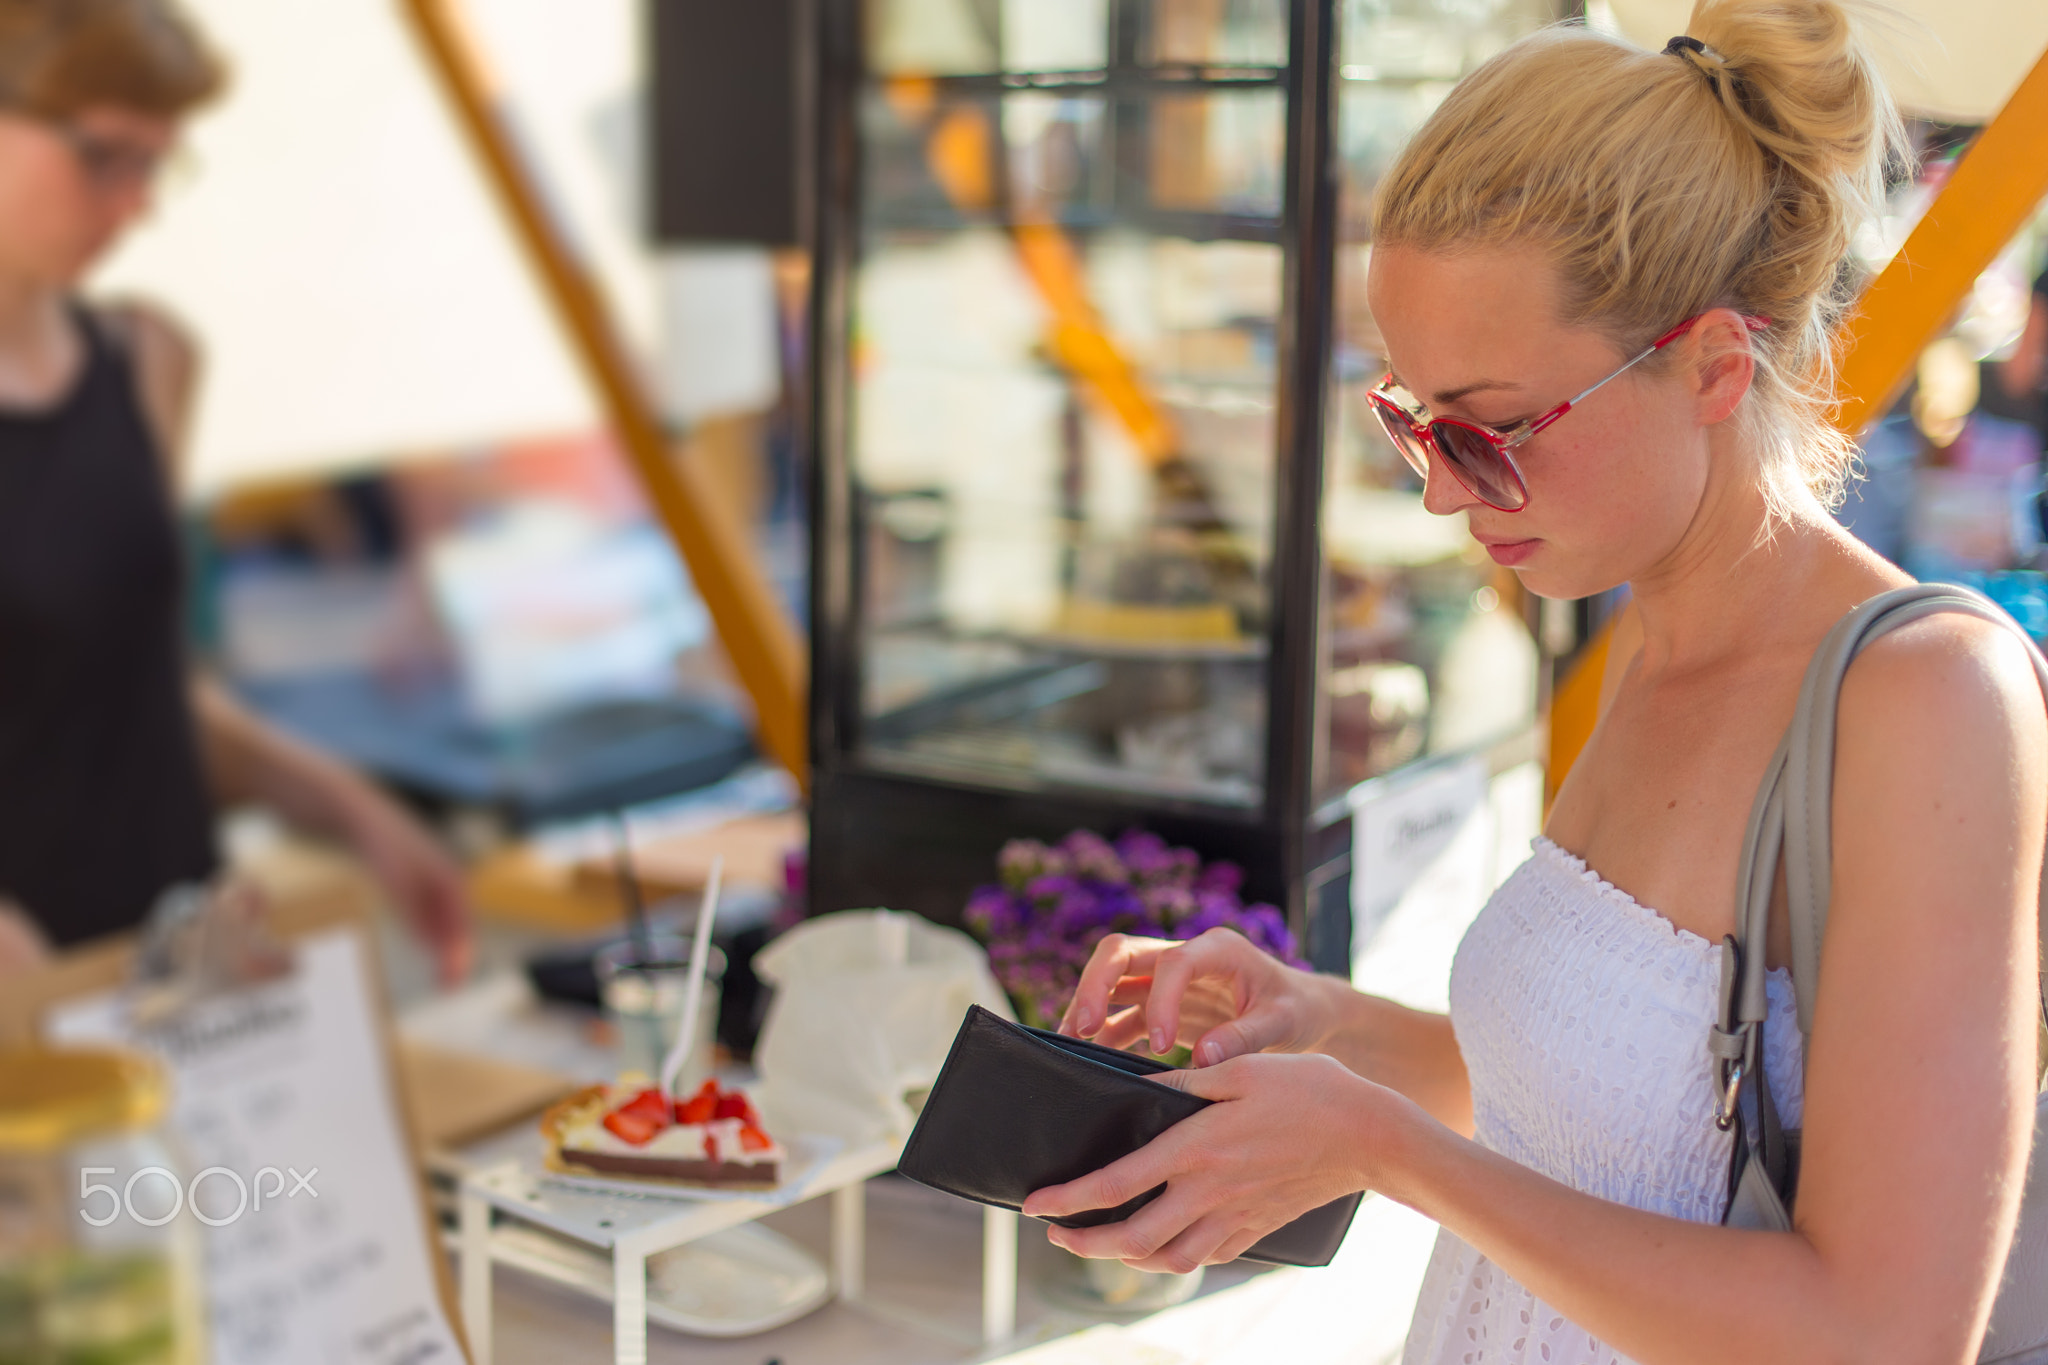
(765, 1174)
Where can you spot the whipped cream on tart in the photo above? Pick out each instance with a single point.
(714, 1137)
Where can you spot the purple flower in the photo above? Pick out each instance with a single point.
(1055, 903)
(1023, 860)
(1094, 858)
(1046, 893)
(1167, 904)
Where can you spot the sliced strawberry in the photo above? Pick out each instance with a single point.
(700, 1106)
(710, 1147)
(752, 1139)
(733, 1105)
(633, 1128)
(651, 1105)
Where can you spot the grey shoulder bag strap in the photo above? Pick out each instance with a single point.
(1791, 818)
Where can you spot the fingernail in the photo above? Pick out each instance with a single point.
(1212, 1053)
(1084, 1022)
(1159, 1042)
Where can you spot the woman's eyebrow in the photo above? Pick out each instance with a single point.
(1445, 397)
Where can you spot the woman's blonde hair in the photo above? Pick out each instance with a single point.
(58, 57)
(1728, 171)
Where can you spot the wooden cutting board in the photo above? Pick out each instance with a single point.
(456, 1098)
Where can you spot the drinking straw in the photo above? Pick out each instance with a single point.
(693, 995)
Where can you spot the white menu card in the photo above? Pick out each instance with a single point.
(294, 1161)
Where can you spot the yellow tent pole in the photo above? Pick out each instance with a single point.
(1999, 181)
(1575, 709)
(756, 631)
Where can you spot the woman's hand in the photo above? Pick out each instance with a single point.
(423, 882)
(1218, 995)
(251, 760)
(1285, 1135)
(22, 944)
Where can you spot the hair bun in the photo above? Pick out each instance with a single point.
(1660, 195)
(1806, 87)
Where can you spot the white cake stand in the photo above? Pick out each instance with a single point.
(629, 1228)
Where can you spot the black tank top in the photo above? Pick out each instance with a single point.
(102, 801)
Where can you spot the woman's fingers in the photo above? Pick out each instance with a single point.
(1239, 1037)
(1168, 1234)
(1217, 953)
(1136, 1239)
(1117, 1183)
(1130, 990)
(1125, 1027)
(1230, 1174)
(1115, 958)
(1203, 1242)
(1236, 1245)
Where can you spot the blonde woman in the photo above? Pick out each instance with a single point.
(1656, 237)
(112, 753)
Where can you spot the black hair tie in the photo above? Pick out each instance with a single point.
(1695, 54)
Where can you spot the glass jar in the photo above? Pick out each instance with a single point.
(98, 1258)
(643, 983)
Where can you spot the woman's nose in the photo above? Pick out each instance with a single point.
(1442, 494)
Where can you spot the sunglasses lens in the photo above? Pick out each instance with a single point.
(1480, 466)
(1404, 438)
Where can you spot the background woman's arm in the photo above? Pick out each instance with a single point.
(248, 759)
(21, 939)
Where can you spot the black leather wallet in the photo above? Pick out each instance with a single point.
(1016, 1109)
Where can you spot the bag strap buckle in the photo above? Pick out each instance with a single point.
(1725, 1102)
(1729, 1047)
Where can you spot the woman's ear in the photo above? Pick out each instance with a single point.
(1723, 364)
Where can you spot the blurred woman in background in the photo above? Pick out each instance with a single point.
(114, 753)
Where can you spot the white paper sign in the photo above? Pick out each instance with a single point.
(315, 1248)
(1428, 849)
(1401, 829)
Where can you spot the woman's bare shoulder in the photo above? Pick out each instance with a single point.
(166, 361)
(1948, 704)
(1948, 666)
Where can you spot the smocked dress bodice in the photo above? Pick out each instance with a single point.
(1583, 1019)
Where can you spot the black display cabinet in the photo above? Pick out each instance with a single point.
(1102, 534)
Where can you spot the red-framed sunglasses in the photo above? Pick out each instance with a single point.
(1478, 456)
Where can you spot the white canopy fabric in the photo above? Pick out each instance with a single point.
(1956, 60)
(355, 286)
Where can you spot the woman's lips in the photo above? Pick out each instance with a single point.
(1510, 552)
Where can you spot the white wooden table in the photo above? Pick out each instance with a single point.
(632, 1228)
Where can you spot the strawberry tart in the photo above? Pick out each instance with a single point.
(712, 1138)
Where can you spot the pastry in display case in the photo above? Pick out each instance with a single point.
(1082, 425)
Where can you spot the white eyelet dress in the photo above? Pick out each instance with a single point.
(1583, 1019)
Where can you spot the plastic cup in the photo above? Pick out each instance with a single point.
(642, 985)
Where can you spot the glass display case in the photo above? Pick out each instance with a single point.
(1103, 534)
